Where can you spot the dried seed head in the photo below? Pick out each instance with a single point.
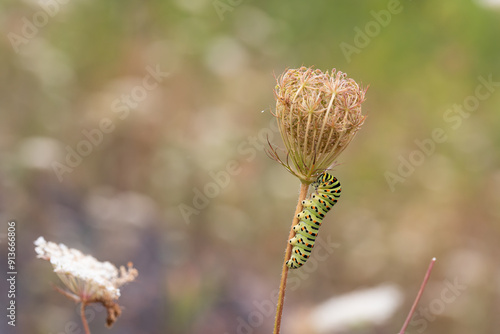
(87, 279)
(318, 115)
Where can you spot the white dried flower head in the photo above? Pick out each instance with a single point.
(87, 279)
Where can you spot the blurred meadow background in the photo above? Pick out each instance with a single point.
(135, 131)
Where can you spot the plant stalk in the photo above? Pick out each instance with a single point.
(422, 287)
(84, 320)
(288, 251)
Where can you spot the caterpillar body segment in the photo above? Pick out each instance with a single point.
(309, 217)
(306, 230)
(314, 210)
(325, 204)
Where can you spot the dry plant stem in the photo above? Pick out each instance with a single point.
(284, 273)
(422, 287)
(84, 320)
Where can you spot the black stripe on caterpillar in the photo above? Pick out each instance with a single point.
(314, 210)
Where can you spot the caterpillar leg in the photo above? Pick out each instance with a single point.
(293, 263)
(298, 258)
(302, 241)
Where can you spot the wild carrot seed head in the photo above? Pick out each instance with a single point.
(318, 115)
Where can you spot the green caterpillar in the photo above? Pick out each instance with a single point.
(314, 210)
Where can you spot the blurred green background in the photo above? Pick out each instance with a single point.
(209, 264)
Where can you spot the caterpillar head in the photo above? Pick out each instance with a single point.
(321, 178)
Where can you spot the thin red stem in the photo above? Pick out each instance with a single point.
(84, 320)
(420, 292)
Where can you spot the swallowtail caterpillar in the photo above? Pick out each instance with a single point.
(314, 210)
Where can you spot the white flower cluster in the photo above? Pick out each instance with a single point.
(82, 274)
